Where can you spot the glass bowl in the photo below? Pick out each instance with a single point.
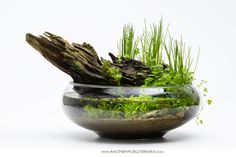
(130, 112)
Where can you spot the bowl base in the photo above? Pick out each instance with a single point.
(132, 136)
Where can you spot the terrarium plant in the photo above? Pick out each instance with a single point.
(143, 91)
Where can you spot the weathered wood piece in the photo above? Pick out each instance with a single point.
(82, 63)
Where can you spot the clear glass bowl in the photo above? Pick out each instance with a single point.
(130, 112)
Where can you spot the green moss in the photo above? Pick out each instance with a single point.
(115, 73)
(126, 108)
(111, 71)
(165, 77)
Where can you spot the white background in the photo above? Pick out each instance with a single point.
(32, 122)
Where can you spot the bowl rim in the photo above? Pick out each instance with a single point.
(124, 87)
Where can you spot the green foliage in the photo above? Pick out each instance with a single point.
(204, 100)
(179, 60)
(209, 101)
(135, 106)
(155, 49)
(111, 71)
(115, 73)
(128, 46)
(205, 90)
(151, 42)
(165, 77)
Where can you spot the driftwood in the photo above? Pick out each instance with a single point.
(82, 63)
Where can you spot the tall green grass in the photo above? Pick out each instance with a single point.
(128, 44)
(151, 43)
(155, 46)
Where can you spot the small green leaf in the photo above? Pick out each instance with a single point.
(205, 90)
(209, 101)
(199, 121)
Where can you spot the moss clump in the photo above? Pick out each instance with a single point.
(165, 77)
(111, 71)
